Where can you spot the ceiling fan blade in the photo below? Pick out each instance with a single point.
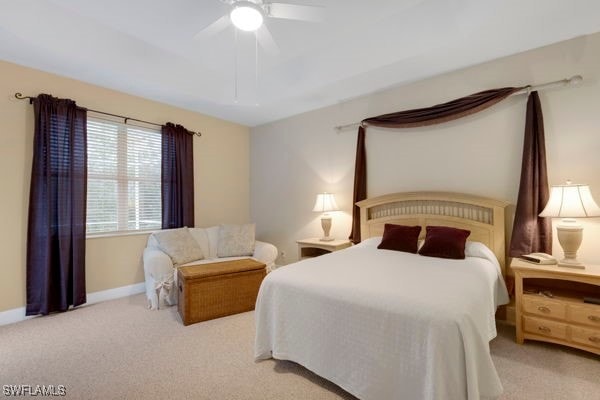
(214, 28)
(265, 39)
(293, 11)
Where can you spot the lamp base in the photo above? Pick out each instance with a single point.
(327, 239)
(326, 225)
(571, 264)
(570, 235)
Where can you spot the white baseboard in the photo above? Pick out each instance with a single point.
(14, 315)
(116, 293)
(18, 314)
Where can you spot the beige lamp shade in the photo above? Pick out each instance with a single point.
(569, 202)
(325, 202)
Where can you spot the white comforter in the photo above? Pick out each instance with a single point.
(385, 324)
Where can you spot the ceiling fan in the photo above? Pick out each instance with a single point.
(249, 15)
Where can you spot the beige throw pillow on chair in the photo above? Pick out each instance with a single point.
(180, 245)
(236, 240)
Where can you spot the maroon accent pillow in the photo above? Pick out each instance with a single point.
(400, 238)
(445, 242)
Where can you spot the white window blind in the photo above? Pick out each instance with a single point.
(124, 164)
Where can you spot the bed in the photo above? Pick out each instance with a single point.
(385, 324)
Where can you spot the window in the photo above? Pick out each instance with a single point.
(124, 177)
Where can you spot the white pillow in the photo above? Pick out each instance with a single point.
(213, 240)
(180, 245)
(201, 237)
(480, 250)
(371, 242)
(236, 240)
(477, 249)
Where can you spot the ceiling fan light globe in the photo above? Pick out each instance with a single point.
(246, 17)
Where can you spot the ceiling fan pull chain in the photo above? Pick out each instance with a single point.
(255, 69)
(235, 65)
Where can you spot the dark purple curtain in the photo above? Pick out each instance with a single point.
(531, 233)
(57, 207)
(437, 114)
(360, 183)
(177, 177)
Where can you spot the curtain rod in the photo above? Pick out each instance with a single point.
(125, 118)
(572, 81)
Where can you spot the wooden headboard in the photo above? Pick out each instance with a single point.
(482, 216)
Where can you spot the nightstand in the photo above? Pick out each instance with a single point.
(560, 316)
(315, 247)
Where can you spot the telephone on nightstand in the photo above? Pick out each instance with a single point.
(539, 258)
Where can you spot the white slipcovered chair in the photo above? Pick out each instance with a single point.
(161, 275)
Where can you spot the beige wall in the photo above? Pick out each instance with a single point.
(221, 176)
(295, 158)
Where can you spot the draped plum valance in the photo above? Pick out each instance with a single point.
(450, 111)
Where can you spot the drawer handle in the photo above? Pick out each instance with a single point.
(594, 339)
(544, 329)
(594, 318)
(544, 309)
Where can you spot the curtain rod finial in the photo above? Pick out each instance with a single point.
(20, 96)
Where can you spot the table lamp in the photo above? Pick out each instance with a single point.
(568, 202)
(325, 202)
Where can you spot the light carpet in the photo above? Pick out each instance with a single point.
(120, 350)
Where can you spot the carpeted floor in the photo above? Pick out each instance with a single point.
(120, 350)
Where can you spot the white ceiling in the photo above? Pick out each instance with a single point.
(146, 47)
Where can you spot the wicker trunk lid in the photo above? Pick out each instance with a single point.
(214, 290)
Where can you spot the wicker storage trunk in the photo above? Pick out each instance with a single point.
(208, 291)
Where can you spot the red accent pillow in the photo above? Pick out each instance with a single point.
(445, 242)
(400, 238)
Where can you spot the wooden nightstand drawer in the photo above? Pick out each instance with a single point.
(563, 319)
(545, 328)
(586, 337)
(534, 304)
(584, 314)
